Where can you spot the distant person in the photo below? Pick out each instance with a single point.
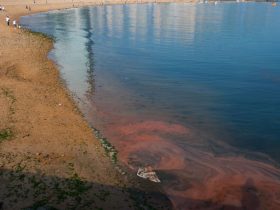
(15, 23)
(26, 7)
(29, 8)
(7, 20)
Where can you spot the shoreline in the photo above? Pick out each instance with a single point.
(45, 140)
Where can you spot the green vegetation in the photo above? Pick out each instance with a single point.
(40, 204)
(108, 147)
(102, 195)
(5, 134)
(72, 187)
(8, 93)
(39, 34)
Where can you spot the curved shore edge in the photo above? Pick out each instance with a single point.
(49, 156)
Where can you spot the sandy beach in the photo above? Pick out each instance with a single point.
(49, 154)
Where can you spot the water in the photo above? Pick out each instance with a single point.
(176, 85)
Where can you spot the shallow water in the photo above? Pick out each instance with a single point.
(192, 90)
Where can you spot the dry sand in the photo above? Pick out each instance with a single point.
(48, 153)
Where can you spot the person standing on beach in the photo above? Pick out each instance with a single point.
(15, 23)
(7, 20)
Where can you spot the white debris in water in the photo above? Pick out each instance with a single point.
(147, 173)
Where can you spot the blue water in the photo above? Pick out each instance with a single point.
(212, 68)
